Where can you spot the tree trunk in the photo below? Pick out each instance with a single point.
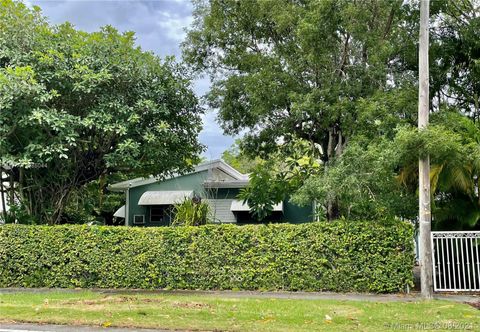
(2, 193)
(12, 195)
(334, 150)
(331, 143)
(43, 198)
(476, 116)
(333, 212)
(340, 145)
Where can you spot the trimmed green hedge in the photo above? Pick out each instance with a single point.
(339, 256)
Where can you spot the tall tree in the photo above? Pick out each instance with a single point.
(453, 141)
(335, 73)
(288, 70)
(77, 106)
(455, 73)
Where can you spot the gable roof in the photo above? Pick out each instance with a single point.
(237, 177)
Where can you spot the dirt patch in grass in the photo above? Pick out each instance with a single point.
(113, 300)
(191, 305)
(133, 300)
(476, 305)
(345, 311)
(212, 312)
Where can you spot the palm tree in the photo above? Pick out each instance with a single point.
(454, 176)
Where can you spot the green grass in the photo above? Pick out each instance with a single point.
(212, 312)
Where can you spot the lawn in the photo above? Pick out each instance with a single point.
(212, 312)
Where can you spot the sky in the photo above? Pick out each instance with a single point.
(159, 26)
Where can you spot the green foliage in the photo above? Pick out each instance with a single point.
(285, 70)
(191, 213)
(77, 106)
(454, 44)
(235, 157)
(339, 256)
(453, 144)
(341, 72)
(363, 183)
(265, 189)
(456, 212)
(17, 215)
(436, 141)
(275, 179)
(94, 203)
(323, 72)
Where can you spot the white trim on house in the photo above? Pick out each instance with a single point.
(220, 164)
(164, 197)
(239, 206)
(124, 185)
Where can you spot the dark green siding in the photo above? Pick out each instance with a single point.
(296, 214)
(187, 182)
(292, 213)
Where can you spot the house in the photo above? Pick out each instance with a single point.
(149, 200)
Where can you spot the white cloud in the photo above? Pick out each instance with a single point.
(175, 25)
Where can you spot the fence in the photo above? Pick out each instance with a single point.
(456, 261)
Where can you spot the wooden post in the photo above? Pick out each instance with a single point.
(425, 217)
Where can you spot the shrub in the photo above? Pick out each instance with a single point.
(191, 212)
(338, 256)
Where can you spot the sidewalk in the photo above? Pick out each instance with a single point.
(398, 297)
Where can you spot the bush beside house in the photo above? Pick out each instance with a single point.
(338, 256)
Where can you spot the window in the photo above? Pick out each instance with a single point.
(138, 219)
(157, 214)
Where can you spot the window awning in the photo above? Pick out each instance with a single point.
(164, 197)
(238, 206)
(120, 213)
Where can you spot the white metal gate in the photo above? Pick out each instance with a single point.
(456, 261)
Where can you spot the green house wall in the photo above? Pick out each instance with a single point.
(292, 213)
(186, 182)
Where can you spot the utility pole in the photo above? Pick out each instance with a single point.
(424, 213)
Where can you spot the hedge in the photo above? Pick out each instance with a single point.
(338, 256)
